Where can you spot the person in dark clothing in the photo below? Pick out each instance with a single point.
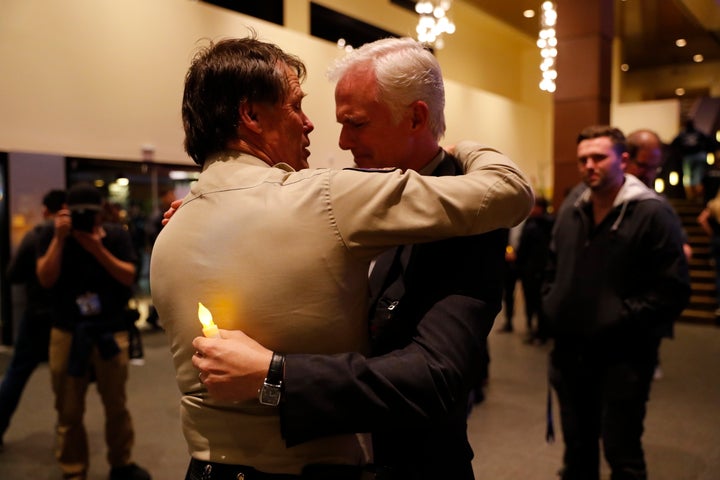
(31, 343)
(692, 145)
(431, 305)
(645, 159)
(617, 279)
(152, 230)
(709, 221)
(532, 254)
(510, 277)
(90, 269)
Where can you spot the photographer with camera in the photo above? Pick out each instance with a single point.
(33, 335)
(90, 269)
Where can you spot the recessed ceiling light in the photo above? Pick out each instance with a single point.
(529, 13)
(697, 58)
(624, 67)
(680, 92)
(681, 42)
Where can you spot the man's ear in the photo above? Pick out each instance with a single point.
(420, 114)
(248, 117)
(624, 159)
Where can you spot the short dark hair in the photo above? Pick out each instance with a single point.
(84, 194)
(616, 136)
(221, 77)
(54, 200)
(542, 202)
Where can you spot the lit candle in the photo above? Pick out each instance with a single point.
(210, 330)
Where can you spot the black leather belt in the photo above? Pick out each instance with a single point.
(199, 470)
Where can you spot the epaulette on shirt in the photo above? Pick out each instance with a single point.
(373, 170)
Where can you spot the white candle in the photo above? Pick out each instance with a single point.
(209, 330)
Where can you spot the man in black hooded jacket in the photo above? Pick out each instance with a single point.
(617, 279)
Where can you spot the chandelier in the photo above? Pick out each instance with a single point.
(547, 42)
(433, 22)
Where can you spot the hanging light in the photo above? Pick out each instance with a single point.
(433, 22)
(547, 43)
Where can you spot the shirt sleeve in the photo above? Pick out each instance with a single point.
(406, 207)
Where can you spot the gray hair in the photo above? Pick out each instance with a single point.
(405, 71)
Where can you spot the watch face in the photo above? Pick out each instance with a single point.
(270, 395)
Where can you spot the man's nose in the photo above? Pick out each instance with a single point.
(344, 142)
(309, 126)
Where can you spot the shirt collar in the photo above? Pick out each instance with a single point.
(433, 164)
(242, 157)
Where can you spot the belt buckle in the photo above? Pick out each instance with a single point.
(207, 470)
(207, 474)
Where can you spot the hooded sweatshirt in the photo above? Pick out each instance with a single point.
(623, 279)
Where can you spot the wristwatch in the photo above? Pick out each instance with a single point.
(271, 390)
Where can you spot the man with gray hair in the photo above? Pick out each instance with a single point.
(431, 305)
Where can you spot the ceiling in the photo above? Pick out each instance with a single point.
(647, 29)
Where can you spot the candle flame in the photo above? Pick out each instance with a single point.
(205, 316)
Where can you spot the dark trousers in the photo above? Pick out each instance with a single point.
(510, 281)
(31, 348)
(532, 292)
(715, 251)
(603, 396)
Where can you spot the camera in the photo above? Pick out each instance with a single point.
(83, 219)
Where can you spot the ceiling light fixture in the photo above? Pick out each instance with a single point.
(434, 22)
(529, 13)
(547, 42)
(680, 42)
(343, 45)
(697, 58)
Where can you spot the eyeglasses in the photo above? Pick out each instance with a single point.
(644, 165)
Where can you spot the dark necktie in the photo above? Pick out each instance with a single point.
(380, 273)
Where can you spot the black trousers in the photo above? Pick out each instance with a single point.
(532, 291)
(603, 397)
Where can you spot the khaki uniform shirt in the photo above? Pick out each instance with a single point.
(283, 256)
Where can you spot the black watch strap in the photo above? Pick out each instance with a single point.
(271, 390)
(275, 372)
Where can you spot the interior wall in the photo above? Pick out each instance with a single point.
(104, 79)
(660, 115)
(511, 128)
(638, 85)
(30, 177)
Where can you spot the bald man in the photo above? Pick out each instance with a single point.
(644, 156)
